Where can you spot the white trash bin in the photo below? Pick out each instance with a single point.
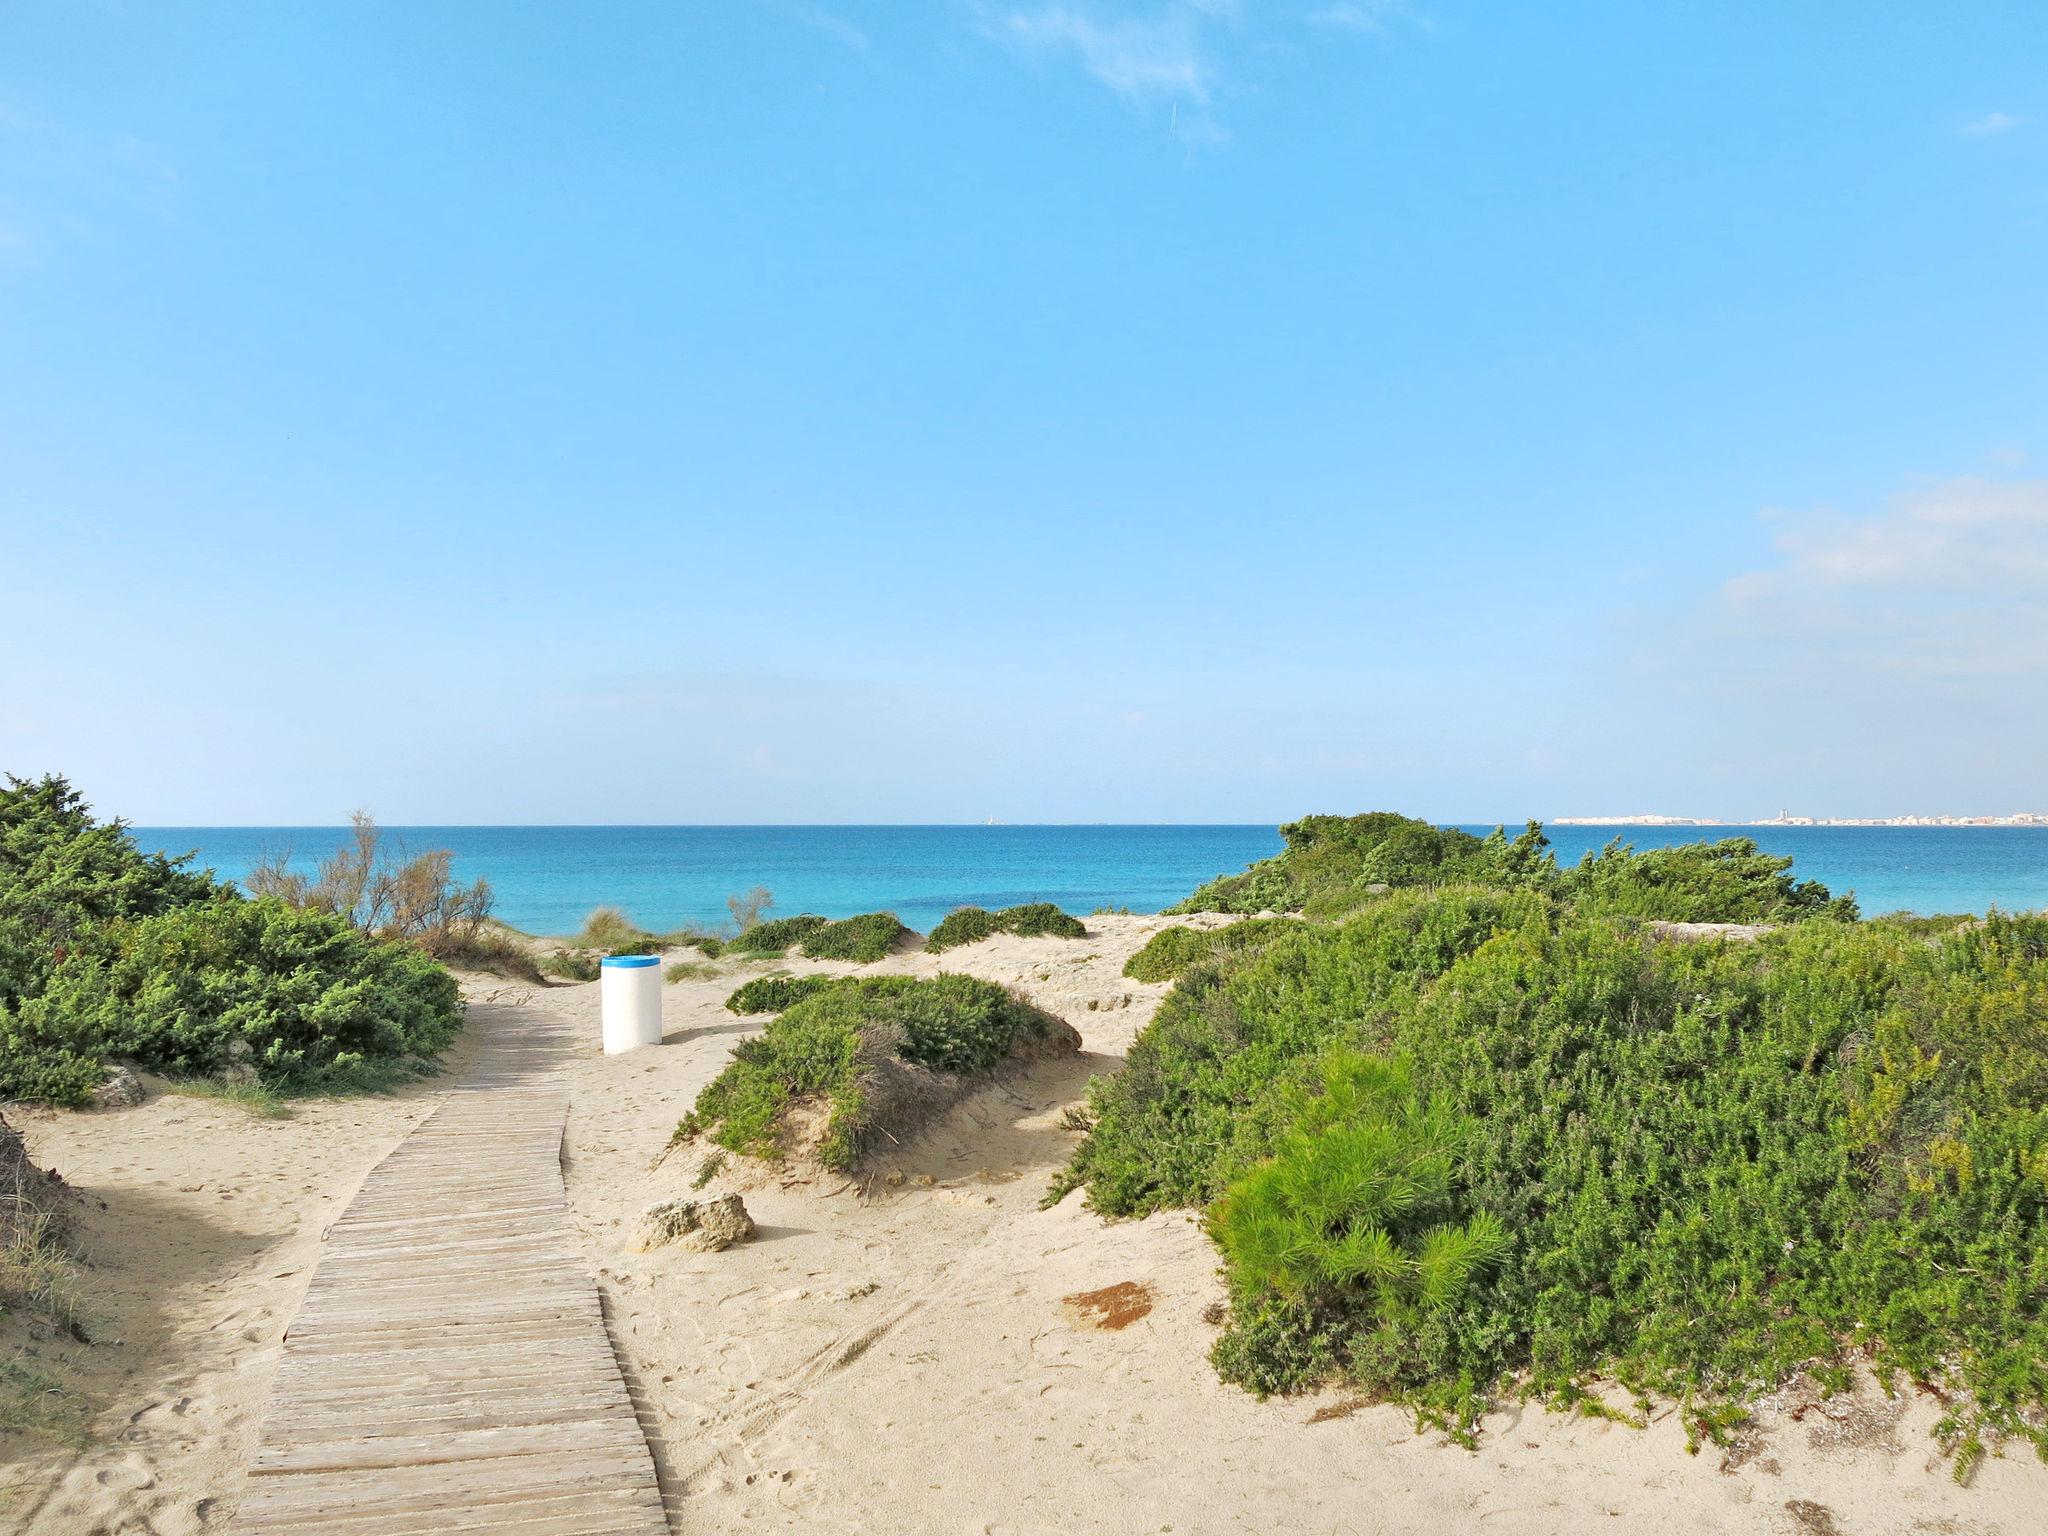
(630, 991)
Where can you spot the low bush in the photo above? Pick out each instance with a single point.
(776, 937)
(772, 994)
(1730, 881)
(691, 970)
(1333, 866)
(1341, 856)
(571, 965)
(864, 939)
(872, 1052)
(970, 925)
(963, 925)
(1171, 952)
(1693, 1168)
(105, 951)
(289, 991)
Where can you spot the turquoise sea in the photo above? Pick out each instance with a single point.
(547, 878)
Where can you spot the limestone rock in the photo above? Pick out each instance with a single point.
(121, 1088)
(706, 1225)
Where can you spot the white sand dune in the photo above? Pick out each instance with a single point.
(908, 1360)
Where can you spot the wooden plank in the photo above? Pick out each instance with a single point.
(449, 1369)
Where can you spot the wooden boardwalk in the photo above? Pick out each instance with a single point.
(449, 1369)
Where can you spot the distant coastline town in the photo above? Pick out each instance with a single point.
(1787, 819)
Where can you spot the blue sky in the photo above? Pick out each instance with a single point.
(1169, 411)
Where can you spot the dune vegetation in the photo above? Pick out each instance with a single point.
(864, 939)
(1498, 1135)
(777, 936)
(107, 952)
(1171, 952)
(772, 994)
(970, 925)
(872, 1054)
(1331, 865)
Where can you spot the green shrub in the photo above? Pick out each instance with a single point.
(1169, 952)
(1333, 856)
(690, 970)
(1690, 1168)
(571, 965)
(775, 938)
(1194, 1101)
(970, 925)
(864, 939)
(1334, 866)
(105, 951)
(1357, 1211)
(963, 925)
(62, 874)
(299, 990)
(772, 994)
(1172, 952)
(835, 1045)
(709, 945)
(1726, 882)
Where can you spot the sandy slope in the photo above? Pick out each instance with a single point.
(901, 1362)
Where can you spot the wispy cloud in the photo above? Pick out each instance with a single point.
(1368, 16)
(819, 19)
(1950, 583)
(1160, 61)
(1991, 125)
(1161, 57)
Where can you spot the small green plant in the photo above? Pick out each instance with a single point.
(863, 940)
(837, 1046)
(571, 965)
(776, 936)
(691, 970)
(1357, 1211)
(1172, 952)
(970, 925)
(258, 1099)
(773, 994)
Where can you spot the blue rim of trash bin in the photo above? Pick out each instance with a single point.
(630, 962)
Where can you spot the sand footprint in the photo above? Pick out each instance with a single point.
(131, 1474)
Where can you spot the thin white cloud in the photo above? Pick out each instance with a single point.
(1944, 592)
(1371, 17)
(1966, 536)
(831, 23)
(1991, 125)
(1158, 58)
